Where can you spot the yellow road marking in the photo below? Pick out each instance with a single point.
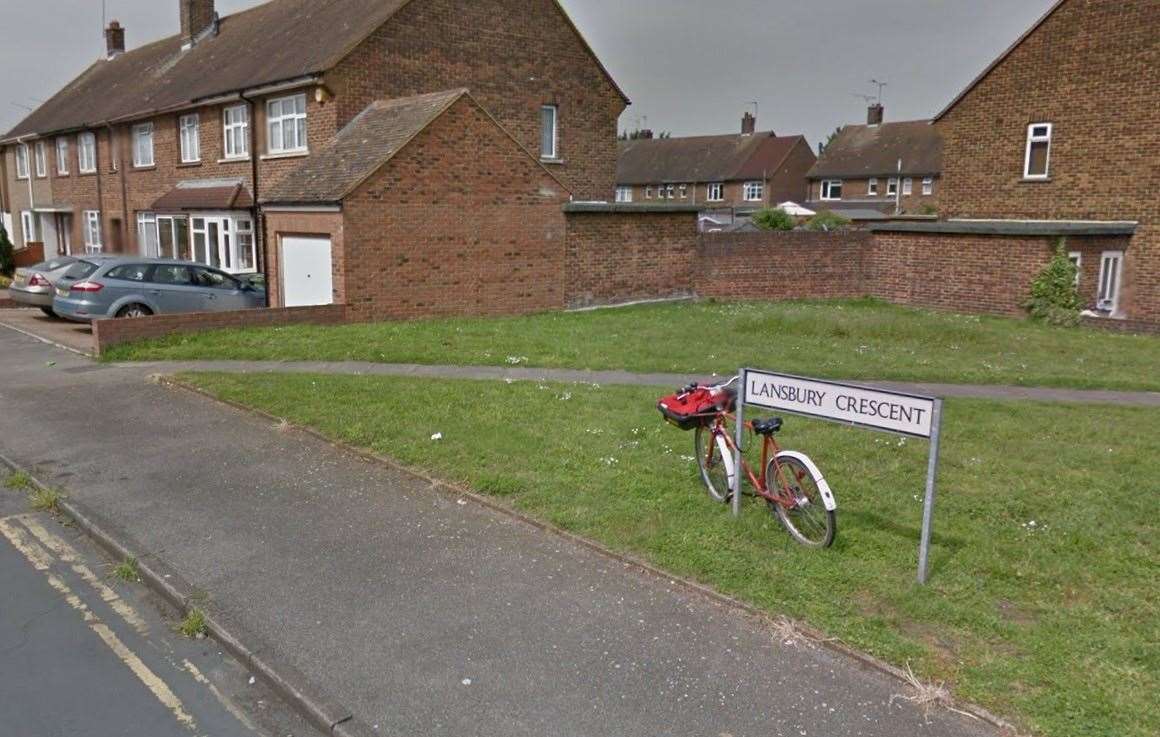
(36, 555)
(225, 702)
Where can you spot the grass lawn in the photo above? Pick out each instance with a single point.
(1054, 624)
(849, 339)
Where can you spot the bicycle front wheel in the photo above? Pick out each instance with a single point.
(715, 461)
(802, 510)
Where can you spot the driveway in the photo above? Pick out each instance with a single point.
(423, 613)
(76, 336)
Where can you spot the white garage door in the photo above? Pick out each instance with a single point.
(306, 276)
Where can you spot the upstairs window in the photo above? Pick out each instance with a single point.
(684, 192)
(189, 129)
(907, 187)
(22, 161)
(41, 160)
(716, 192)
(754, 191)
(549, 115)
(62, 156)
(928, 186)
(669, 191)
(286, 125)
(1037, 160)
(891, 187)
(236, 129)
(86, 153)
(872, 187)
(624, 194)
(143, 145)
(831, 189)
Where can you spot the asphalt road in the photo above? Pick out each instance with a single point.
(82, 654)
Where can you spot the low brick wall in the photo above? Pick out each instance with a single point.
(107, 333)
(31, 254)
(784, 265)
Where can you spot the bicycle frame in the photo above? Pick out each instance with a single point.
(769, 450)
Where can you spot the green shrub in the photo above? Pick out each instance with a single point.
(1054, 298)
(826, 220)
(7, 263)
(771, 218)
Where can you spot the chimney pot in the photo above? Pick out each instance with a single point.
(874, 114)
(197, 18)
(114, 40)
(748, 124)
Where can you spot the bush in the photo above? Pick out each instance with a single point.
(7, 264)
(773, 219)
(1054, 298)
(826, 220)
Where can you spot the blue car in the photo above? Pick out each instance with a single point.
(96, 287)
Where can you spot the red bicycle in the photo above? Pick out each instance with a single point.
(790, 483)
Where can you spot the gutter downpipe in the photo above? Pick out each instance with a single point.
(259, 218)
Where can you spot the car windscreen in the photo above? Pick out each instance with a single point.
(80, 270)
(54, 264)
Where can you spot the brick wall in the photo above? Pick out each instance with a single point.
(460, 222)
(623, 256)
(1092, 70)
(916, 203)
(514, 56)
(107, 333)
(784, 265)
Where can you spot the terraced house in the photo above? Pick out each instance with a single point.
(169, 149)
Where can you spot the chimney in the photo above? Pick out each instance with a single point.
(748, 124)
(874, 114)
(197, 18)
(114, 40)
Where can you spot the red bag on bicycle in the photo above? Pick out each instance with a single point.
(696, 405)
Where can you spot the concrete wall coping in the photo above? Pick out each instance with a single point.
(628, 207)
(1010, 227)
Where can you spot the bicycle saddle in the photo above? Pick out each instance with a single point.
(767, 426)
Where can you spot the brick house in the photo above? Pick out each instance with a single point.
(168, 149)
(729, 176)
(1055, 142)
(879, 170)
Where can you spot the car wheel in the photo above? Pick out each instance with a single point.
(48, 311)
(134, 310)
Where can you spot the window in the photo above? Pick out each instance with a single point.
(27, 227)
(648, 193)
(143, 145)
(1076, 259)
(62, 156)
(831, 189)
(246, 261)
(891, 187)
(716, 192)
(872, 187)
(754, 191)
(236, 126)
(86, 153)
(548, 132)
(907, 186)
(22, 161)
(1037, 160)
(189, 129)
(624, 194)
(92, 231)
(128, 272)
(147, 235)
(684, 192)
(927, 186)
(286, 125)
(171, 274)
(1111, 268)
(41, 160)
(213, 279)
(669, 191)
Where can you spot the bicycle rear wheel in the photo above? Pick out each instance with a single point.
(807, 521)
(715, 461)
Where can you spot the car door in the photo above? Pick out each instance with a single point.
(172, 286)
(220, 290)
(126, 284)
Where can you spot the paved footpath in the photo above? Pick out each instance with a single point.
(423, 614)
(366, 368)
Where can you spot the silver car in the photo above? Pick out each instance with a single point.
(33, 285)
(94, 288)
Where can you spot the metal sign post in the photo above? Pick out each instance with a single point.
(899, 413)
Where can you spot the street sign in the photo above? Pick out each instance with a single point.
(914, 415)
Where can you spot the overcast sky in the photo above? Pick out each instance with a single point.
(690, 66)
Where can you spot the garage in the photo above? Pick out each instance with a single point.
(306, 271)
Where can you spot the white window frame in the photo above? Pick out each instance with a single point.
(92, 224)
(753, 191)
(22, 161)
(892, 187)
(827, 190)
(927, 186)
(238, 147)
(146, 227)
(27, 227)
(189, 137)
(624, 194)
(872, 187)
(1076, 258)
(907, 186)
(1032, 139)
(40, 154)
(669, 191)
(648, 192)
(143, 145)
(275, 144)
(715, 192)
(1108, 287)
(684, 191)
(86, 152)
(554, 153)
(62, 156)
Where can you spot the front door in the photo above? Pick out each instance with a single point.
(306, 271)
